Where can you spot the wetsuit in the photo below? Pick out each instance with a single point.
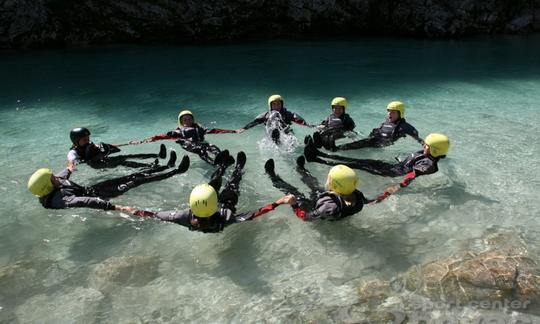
(285, 120)
(335, 127)
(384, 135)
(98, 156)
(226, 214)
(192, 140)
(320, 204)
(70, 194)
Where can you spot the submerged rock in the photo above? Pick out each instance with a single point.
(124, 271)
(493, 275)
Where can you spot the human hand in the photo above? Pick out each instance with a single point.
(240, 131)
(288, 199)
(126, 209)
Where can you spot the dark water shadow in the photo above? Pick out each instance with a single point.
(238, 259)
(99, 243)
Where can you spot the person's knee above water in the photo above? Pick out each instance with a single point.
(336, 124)
(276, 104)
(83, 150)
(59, 192)
(393, 128)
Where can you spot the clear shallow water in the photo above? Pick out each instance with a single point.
(93, 266)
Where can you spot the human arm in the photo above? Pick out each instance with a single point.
(395, 188)
(221, 131)
(159, 137)
(261, 118)
(288, 199)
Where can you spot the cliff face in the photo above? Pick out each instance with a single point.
(36, 23)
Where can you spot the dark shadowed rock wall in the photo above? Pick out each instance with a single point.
(38, 23)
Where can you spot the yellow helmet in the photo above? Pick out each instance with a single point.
(342, 179)
(40, 183)
(339, 101)
(397, 106)
(274, 98)
(438, 144)
(183, 113)
(203, 200)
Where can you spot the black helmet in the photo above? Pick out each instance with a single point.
(77, 133)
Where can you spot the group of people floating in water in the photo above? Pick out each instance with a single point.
(212, 209)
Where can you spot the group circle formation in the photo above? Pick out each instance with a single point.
(211, 210)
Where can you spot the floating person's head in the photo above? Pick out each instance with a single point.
(396, 111)
(41, 183)
(80, 136)
(275, 102)
(185, 119)
(342, 180)
(436, 145)
(339, 104)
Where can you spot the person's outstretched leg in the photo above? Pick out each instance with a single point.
(372, 166)
(284, 186)
(278, 182)
(308, 178)
(365, 142)
(229, 195)
(221, 161)
(115, 187)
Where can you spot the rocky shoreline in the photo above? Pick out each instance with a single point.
(58, 23)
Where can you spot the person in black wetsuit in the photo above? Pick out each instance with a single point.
(336, 125)
(276, 119)
(210, 212)
(190, 136)
(59, 192)
(416, 164)
(340, 200)
(392, 129)
(98, 156)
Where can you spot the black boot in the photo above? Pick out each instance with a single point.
(184, 164)
(240, 160)
(162, 151)
(172, 159)
(269, 167)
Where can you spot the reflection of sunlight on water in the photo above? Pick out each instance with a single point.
(288, 143)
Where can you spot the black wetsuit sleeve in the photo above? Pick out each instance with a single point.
(408, 129)
(64, 174)
(326, 208)
(261, 118)
(180, 217)
(348, 123)
(88, 202)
